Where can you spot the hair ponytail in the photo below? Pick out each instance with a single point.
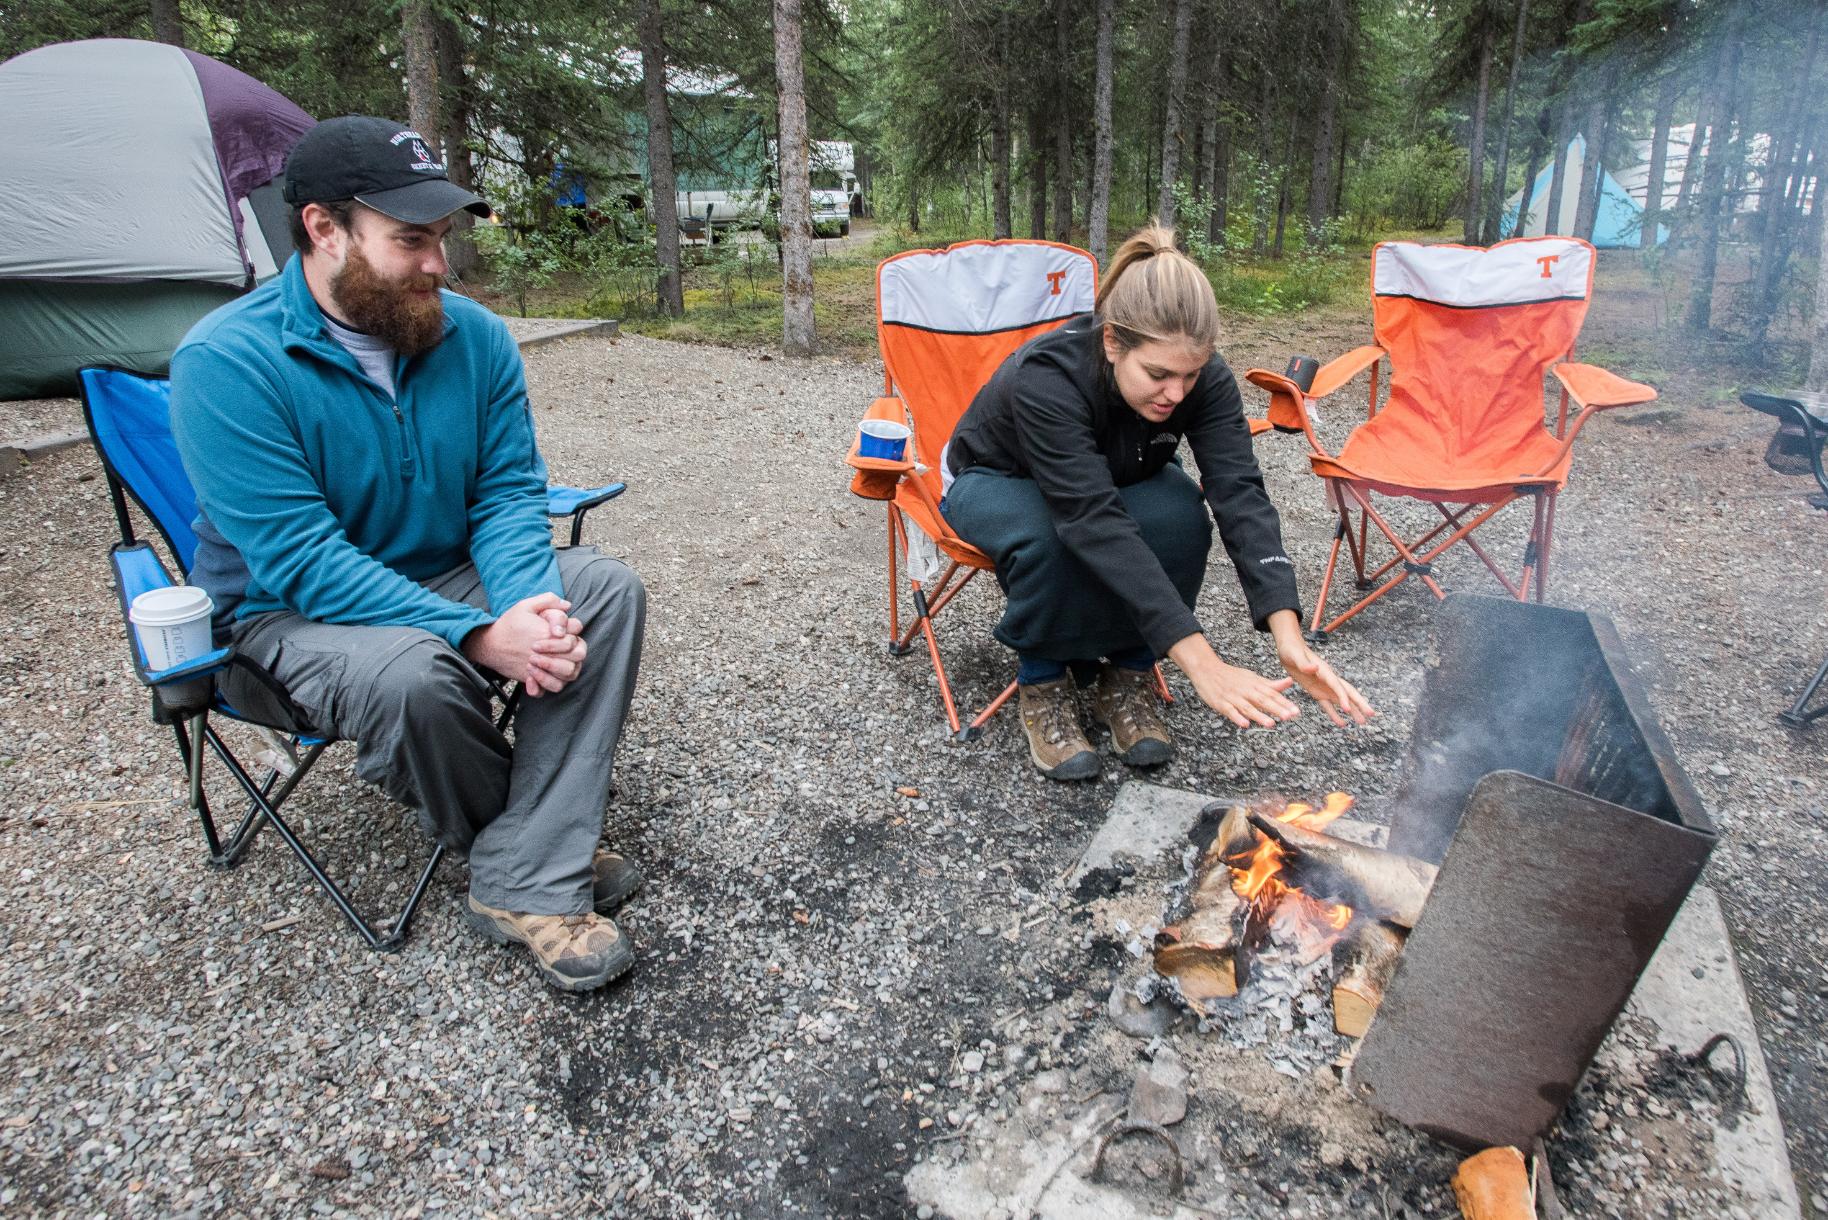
(1153, 292)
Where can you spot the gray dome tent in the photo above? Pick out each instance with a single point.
(139, 193)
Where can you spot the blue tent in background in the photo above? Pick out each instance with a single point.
(1618, 223)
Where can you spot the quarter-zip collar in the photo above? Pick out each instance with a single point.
(305, 332)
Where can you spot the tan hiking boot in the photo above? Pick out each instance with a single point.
(1125, 701)
(574, 952)
(1055, 741)
(613, 879)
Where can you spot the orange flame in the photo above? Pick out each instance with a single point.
(1258, 884)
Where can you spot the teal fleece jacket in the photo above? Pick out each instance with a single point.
(318, 493)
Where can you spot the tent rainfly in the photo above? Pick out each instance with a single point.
(1618, 223)
(140, 193)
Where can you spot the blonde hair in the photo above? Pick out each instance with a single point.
(1152, 291)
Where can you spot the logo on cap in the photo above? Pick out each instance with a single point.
(422, 157)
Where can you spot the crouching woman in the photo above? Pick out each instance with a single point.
(1063, 472)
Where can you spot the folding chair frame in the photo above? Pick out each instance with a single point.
(929, 602)
(1789, 410)
(1590, 389)
(137, 568)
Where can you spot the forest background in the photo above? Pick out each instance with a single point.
(1280, 136)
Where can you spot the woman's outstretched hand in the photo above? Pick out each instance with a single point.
(1241, 696)
(1338, 698)
(1249, 699)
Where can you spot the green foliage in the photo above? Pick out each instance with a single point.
(1407, 186)
(1312, 274)
(518, 262)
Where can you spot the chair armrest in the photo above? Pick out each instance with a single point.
(1593, 387)
(137, 570)
(563, 501)
(1287, 404)
(1341, 369)
(196, 667)
(876, 477)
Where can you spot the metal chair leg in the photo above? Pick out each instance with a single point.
(1796, 716)
(265, 810)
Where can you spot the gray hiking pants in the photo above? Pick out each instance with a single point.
(528, 814)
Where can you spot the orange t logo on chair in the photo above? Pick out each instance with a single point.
(1547, 263)
(1054, 280)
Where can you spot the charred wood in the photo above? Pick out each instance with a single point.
(1378, 884)
(1363, 961)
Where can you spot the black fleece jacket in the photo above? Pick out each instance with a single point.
(1052, 413)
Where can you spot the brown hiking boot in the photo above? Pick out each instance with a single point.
(574, 952)
(1125, 701)
(1055, 740)
(614, 878)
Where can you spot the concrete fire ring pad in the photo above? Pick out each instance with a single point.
(1690, 992)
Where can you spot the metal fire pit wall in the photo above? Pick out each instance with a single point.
(1568, 837)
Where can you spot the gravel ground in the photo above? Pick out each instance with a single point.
(824, 950)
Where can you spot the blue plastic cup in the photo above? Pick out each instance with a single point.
(883, 439)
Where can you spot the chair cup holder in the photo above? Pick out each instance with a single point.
(185, 698)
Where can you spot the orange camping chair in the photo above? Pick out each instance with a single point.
(945, 319)
(1470, 335)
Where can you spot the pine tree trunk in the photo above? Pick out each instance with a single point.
(1818, 335)
(797, 334)
(1697, 140)
(1211, 191)
(1037, 171)
(999, 166)
(1772, 216)
(1494, 211)
(167, 22)
(1282, 184)
(1171, 118)
(419, 44)
(1326, 134)
(1098, 208)
(1220, 143)
(866, 170)
(1266, 145)
(1668, 90)
(1592, 166)
(661, 180)
(1722, 149)
(1063, 124)
(454, 106)
(1475, 157)
(1558, 177)
(1539, 148)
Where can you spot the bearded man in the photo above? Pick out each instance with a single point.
(372, 531)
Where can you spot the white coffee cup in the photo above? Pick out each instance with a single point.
(172, 625)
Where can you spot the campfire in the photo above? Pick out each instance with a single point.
(1272, 874)
(1534, 770)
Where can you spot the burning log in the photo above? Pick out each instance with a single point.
(1380, 884)
(1238, 901)
(1494, 1185)
(1204, 951)
(1364, 961)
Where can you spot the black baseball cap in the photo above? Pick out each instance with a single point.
(378, 163)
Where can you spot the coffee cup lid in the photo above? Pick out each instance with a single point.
(173, 604)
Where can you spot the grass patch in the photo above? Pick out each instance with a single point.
(736, 314)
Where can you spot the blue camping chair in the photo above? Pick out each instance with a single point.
(129, 416)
